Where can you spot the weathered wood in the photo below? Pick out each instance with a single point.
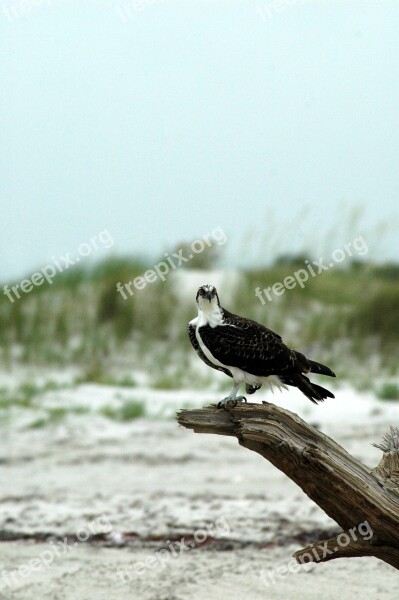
(348, 491)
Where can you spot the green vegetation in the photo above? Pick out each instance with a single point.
(348, 313)
(57, 415)
(29, 397)
(25, 394)
(378, 313)
(96, 372)
(129, 410)
(388, 391)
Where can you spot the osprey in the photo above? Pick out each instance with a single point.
(249, 352)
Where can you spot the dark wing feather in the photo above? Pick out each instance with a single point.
(251, 347)
(196, 346)
(232, 319)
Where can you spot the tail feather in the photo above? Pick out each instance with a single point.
(314, 392)
(320, 369)
(323, 392)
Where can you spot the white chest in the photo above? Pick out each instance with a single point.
(213, 319)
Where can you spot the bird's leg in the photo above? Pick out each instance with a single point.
(232, 397)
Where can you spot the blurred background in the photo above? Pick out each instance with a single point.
(149, 147)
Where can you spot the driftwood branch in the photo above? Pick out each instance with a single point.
(363, 501)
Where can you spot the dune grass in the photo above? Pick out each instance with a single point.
(388, 391)
(82, 320)
(128, 411)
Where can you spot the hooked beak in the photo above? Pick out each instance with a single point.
(208, 296)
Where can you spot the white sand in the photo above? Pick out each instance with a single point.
(152, 482)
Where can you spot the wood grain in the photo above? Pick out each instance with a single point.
(347, 490)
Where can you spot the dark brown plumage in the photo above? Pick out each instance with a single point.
(234, 344)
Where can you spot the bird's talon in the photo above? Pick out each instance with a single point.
(240, 399)
(233, 401)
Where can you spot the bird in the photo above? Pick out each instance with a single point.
(249, 352)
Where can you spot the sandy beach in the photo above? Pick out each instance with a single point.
(91, 508)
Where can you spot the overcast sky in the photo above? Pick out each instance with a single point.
(269, 119)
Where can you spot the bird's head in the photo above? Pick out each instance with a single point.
(207, 297)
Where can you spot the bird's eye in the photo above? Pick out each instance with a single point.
(201, 292)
